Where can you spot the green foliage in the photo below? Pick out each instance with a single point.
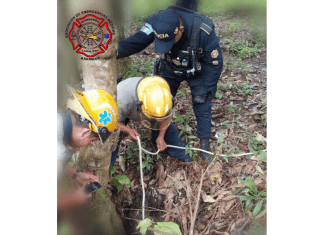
(256, 144)
(192, 153)
(228, 124)
(133, 72)
(244, 49)
(232, 27)
(220, 139)
(182, 92)
(246, 90)
(251, 194)
(65, 228)
(112, 170)
(231, 62)
(263, 156)
(147, 8)
(120, 180)
(140, 68)
(146, 67)
(143, 225)
(184, 121)
(222, 87)
(218, 95)
(232, 109)
(141, 132)
(132, 151)
(264, 116)
(168, 227)
(146, 164)
(99, 191)
(257, 207)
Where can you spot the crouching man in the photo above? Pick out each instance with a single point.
(149, 100)
(92, 115)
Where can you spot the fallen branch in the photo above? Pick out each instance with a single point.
(188, 195)
(197, 204)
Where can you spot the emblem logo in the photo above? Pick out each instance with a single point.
(105, 117)
(215, 62)
(90, 34)
(161, 36)
(176, 62)
(214, 53)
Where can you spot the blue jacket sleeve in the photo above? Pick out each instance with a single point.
(137, 42)
(211, 68)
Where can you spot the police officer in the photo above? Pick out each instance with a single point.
(190, 51)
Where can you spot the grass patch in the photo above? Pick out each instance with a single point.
(140, 68)
(243, 49)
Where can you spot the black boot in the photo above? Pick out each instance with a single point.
(204, 145)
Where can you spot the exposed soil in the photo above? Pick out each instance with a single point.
(168, 181)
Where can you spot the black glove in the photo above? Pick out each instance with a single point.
(199, 99)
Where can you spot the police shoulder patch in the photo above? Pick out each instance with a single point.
(147, 28)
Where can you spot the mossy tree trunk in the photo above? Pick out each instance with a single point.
(96, 74)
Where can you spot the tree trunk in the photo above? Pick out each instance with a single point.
(96, 74)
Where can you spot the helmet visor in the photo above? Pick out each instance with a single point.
(156, 123)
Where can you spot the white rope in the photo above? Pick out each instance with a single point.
(141, 167)
(172, 146)
(221, 155)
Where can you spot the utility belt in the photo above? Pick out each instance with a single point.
(178, 63)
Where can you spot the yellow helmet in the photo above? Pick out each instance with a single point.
(97, 108)
(155, 101)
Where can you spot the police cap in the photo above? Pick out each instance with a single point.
(165, 26)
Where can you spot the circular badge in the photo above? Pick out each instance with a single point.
(214, 53)
(90, 36)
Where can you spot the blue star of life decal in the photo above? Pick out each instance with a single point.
(107, 35)
(105, 117)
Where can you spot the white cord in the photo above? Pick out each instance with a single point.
(221, 155)
(140, 156)
(172, 146)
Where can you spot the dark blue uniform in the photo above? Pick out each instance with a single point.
(209, 55)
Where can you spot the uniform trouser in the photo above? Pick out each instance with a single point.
(202, 111)
(171, 137)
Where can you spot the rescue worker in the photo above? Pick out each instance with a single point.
(92, 115)
(190, 51)
(149, 100)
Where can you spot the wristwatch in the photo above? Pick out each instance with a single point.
(75, 174)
